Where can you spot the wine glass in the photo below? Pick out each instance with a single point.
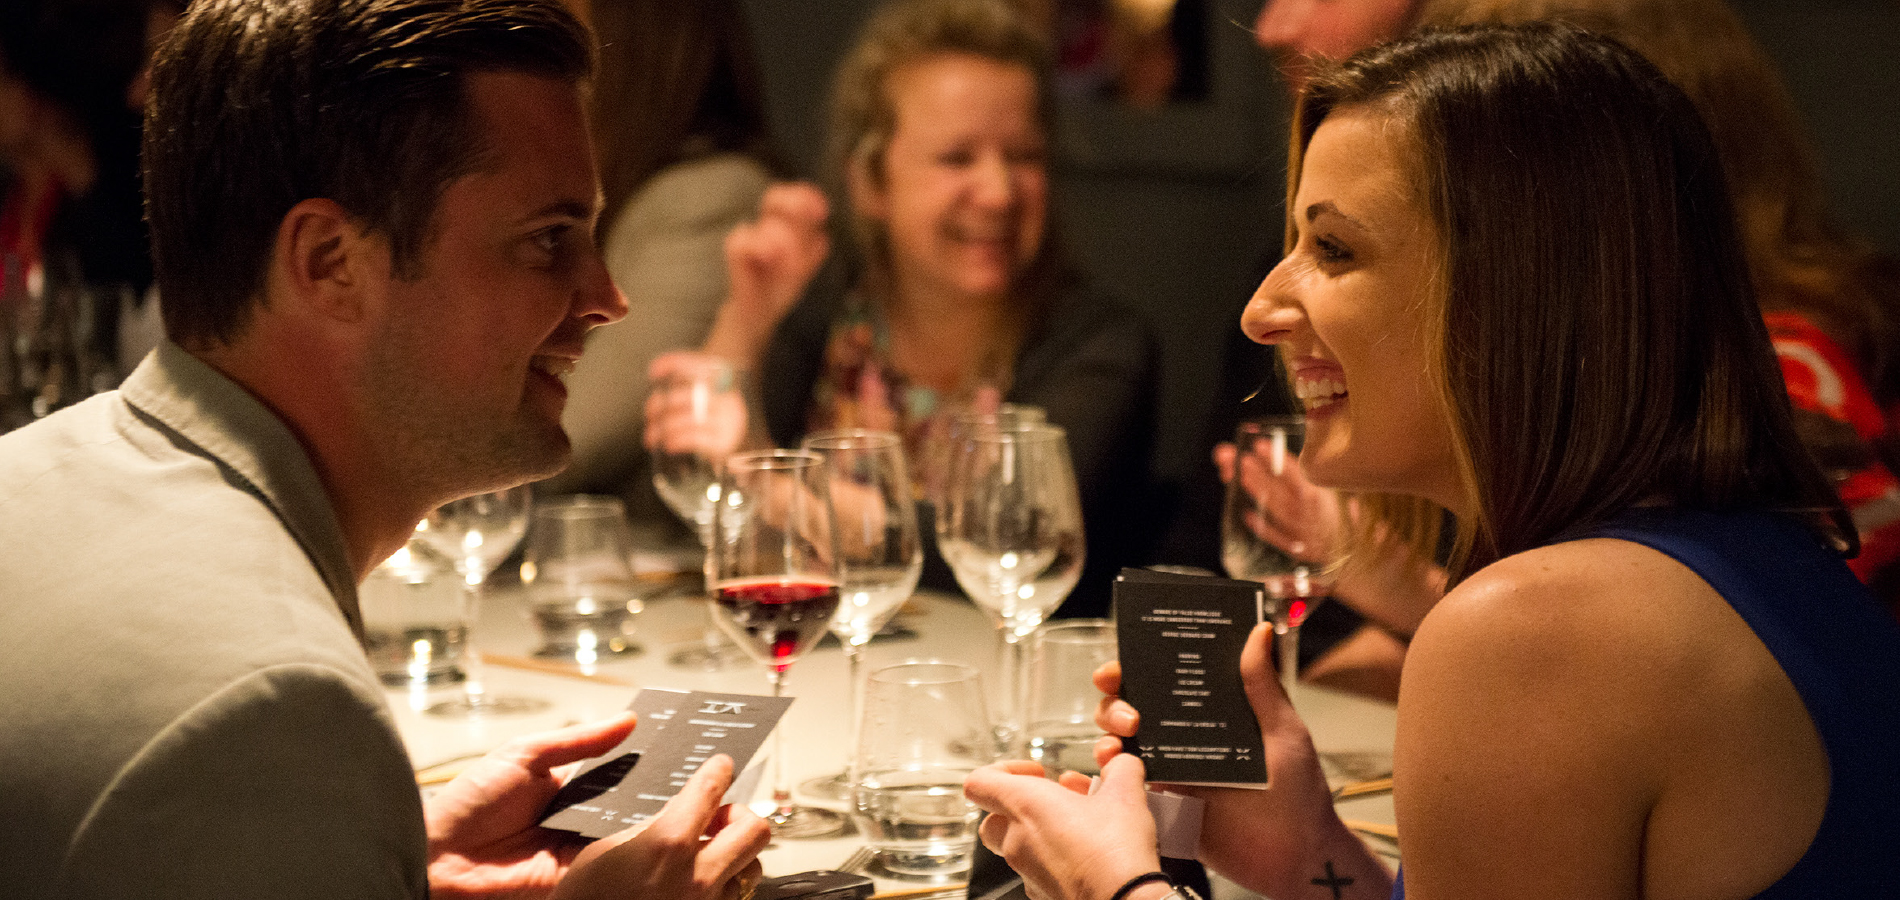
(1011, 530)
(880, 553)
(476, 534)
(580, 582)
(707, 414)
(772, 562)
(1277, 528)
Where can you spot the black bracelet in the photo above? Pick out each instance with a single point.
(1137, 881)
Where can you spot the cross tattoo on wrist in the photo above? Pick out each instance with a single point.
(1332, 881)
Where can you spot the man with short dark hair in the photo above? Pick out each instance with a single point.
(373, 226)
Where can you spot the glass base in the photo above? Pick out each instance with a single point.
(833, 788)
(798, 822)
(713, 654)
(466, 707)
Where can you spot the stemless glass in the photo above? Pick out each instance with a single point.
(686, 474)
(879, 550)
(579, 578)
(772, 562)
(1011, 530)
(924, 731)
(1277, 528)
(476, 534)
(1062, 696)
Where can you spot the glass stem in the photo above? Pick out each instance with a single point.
(1289, 642)
(854, 664)
(471, 658)
(1009, 723)
(781, 792)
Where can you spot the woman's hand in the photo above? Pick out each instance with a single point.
(1274, 841)
(695, 406)
(1381, 579)
(769, 261)
(1063, 841)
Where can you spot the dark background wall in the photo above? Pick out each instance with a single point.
(1174, 211)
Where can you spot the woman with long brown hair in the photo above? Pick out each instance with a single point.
(1514, 289)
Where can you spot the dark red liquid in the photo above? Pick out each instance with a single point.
(780, 619)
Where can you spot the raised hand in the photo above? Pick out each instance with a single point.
(769, 261)
(695, 406)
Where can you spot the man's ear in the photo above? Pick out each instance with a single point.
(325, 261)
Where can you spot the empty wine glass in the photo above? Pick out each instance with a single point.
(705, 417)
(880, 553)
(476, 534)
(773, 566)
(1011, 530)
(1279, 529)
(579, 578)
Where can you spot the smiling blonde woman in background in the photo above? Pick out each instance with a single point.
(958, 294)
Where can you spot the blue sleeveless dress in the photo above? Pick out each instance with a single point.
(1841, 650)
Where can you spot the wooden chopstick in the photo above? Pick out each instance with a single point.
(1362, 788)
(955, 890)
(551, 668)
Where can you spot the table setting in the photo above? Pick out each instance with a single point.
(909, 694)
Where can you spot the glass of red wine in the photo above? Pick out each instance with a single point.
(772, 562)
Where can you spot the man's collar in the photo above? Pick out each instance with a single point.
(256, 451)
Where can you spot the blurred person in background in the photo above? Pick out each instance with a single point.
(75, 271)
(955, 292)
(680, 129)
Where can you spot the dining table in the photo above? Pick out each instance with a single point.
(1353, 733)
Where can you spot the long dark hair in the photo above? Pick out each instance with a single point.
(1598, 341)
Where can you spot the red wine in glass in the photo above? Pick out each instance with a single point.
(778, 620)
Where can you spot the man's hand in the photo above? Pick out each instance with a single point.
(695, 849)
(484, 839)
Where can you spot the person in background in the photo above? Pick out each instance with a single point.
(1653, 676)
(373, 224)
(680, 128)
(957, 293)
(75, 314)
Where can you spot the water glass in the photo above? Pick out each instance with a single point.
(925, 728)
(1063, 656)
(415, 624)
(580, 578)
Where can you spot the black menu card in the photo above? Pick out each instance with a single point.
(677, 731)
(1180, 637)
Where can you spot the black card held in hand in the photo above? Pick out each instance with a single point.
(677, 731)
(1180, 638)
